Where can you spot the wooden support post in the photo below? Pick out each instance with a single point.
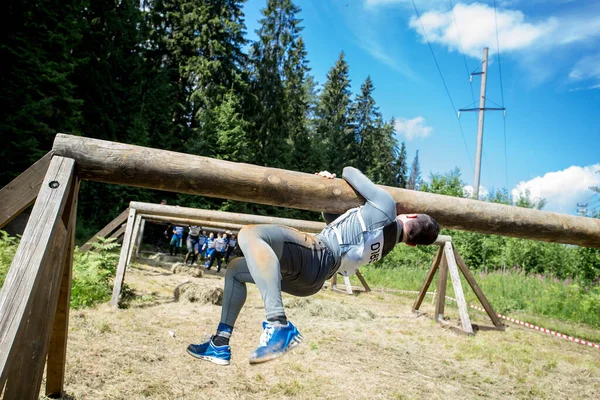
(363, 281)
(114, 301)
(140, 239)
(134, 237)
(458, 292)
(478, 292)
(428, 279)
(348, 285)
(57, 351)
(442, 280)
(29, 297)
(106, 231)
(333, 283)
(21, 192)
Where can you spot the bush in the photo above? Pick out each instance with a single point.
(8, 248)
(92, 271)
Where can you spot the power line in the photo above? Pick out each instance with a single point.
(501, 93)
(462, 51)
(443, 82)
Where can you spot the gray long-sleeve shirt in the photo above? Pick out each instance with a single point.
(379, 211)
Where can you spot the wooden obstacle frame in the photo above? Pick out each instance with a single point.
(447, 260)
(34, 300)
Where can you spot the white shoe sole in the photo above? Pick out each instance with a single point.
(295, 342)
(213, 360)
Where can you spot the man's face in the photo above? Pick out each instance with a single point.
(212, 235)
(405, 219)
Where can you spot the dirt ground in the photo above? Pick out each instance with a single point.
(365, 346)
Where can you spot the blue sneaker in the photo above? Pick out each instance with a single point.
(208, 351)
(275, 341)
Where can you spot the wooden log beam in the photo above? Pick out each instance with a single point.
(21, 192)
(223, 216)
(125, 164)
(199, 222)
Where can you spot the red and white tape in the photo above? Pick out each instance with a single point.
(516, 321)
(539, 328)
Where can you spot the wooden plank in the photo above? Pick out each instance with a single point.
(428, 279)
(57, 350)
(363, 281)
(30, 293)
(441, 289)
(477, 290)
(119, 232)
(463, 311)
(122, 266)
(106, 231)
(134, 237)
(21, 192)
(131, 165)
(477, 327)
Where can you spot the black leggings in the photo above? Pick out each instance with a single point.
(276, 259)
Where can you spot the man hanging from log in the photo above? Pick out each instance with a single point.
(277, 258)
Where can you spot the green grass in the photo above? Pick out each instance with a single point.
(558, 305)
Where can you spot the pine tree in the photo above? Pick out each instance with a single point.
(381, 168)
(414, 180)
(298, 93)
(110, 82)
(37, 96)
(366, 117)
(270, 58)
(401, 167)
(201, 46)
(333, 129)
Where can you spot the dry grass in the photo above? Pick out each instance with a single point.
(368, 346)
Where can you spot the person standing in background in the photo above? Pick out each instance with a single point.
(192, 244)
(231, 247)
(209, 248)
(201, 241)
(176, 240)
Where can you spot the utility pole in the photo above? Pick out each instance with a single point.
(480, 123)
(582, 209)
(482, 109)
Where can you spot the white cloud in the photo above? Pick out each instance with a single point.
(376, 50)
(483, 191)
(413, 128)
(477, 28)
(587, 69)
(408, 3)
(562, 189)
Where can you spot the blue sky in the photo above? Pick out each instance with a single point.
(550, 61)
